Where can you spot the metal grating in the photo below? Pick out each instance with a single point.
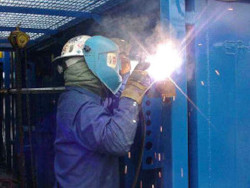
(32, 21)
(5, 45)
(33, 36)
(72, 5)
(44, 17)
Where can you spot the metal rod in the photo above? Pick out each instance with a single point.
(2, 151)
(20, 118)
(13, 109)
(33, 90)
(6, 81)
(33, 174)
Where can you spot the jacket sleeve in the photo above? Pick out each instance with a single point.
(98, 130)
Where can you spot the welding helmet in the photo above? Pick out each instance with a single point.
(102, 57)
(73, 48)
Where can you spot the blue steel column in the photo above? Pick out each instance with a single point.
(173, 23)
(6, 71)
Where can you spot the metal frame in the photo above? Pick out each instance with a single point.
(32, 90)
(173, 13)
(42, 11)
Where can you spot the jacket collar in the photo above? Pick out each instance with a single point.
(84, 91)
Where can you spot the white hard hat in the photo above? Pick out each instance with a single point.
(74, 47)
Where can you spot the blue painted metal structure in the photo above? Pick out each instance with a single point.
(165, 160)
(206, 145)
(219, 139)
(173, 22)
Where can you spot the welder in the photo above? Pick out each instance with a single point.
(97, 114)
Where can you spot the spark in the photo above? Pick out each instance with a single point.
(129, 155)
(195, 31)
(159, 174)
(126, 169)
(217, 72)
(159, 157)
(191, 102)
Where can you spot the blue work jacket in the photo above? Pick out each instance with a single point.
(90, 136)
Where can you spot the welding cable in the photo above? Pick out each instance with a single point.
(138, 168)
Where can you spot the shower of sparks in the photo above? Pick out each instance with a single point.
(191, 35)
(182, 92)
(197, 30)
(191, 102)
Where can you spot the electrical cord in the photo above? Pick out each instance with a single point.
(137, 172)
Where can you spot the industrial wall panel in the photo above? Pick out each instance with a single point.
(222, 96)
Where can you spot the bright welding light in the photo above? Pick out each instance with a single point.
(164, 62)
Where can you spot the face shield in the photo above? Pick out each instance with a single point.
(102, 57)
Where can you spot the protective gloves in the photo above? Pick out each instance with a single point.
(166, 88)
(138, 83)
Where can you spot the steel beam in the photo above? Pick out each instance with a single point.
(173, 25)
(3, 41)
(32, 90)
(31, 30)
(51, 12)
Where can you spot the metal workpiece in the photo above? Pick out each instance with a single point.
(32, 90)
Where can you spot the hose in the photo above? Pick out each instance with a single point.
(137, 172)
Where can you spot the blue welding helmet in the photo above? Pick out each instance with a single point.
(102, 57)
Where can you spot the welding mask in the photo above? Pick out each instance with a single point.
(102, 57)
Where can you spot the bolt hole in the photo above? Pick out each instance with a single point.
(148, 112)
(147, 102)
(148, 133)
(149, 160)
(148, 122)
(149, 145)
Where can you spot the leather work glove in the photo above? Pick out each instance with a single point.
(125, 62)
(138, 83)
(166, 88)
